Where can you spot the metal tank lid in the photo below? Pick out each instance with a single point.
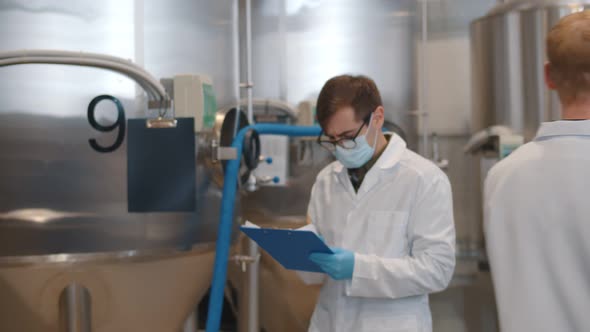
(521, 5)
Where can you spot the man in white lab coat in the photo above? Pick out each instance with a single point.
(537, 208)
(385, 211)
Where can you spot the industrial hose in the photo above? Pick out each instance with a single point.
(230, 185)
(151, 85)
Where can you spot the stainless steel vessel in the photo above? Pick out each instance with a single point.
(508, 55)
(72, 258)
(298, 45)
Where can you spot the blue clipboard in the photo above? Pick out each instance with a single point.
(291, 248)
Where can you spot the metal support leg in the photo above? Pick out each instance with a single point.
(75, 309)
(190, 325)
(253, 274)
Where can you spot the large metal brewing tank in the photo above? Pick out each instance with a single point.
(508, 55)
(72, 258)
(64, 222)
(298, 45)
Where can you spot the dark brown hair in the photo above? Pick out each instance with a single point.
(568, 50)
(358, 92)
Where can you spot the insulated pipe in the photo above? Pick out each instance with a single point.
(84, 55)
(67, 54)
(141, 78)
(230, 185)
(154, 89)
(130, 72)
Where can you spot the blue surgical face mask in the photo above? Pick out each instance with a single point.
(360, 154)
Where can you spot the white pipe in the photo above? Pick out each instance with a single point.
(236, 51)
(134, 74)
(67, 54)
(139, 49)
(152, 86)
(143, 80)
(133, 71)
(282, 54)
(423, 107)
(253, 250)
(249, 84)
(190, 324)
(253, 275)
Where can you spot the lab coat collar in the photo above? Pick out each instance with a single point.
(563, 128)
(393, 152)
(391, 155)
(388, 159)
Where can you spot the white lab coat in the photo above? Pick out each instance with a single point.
(537, 228)
(400, 226)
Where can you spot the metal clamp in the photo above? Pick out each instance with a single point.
(159, 104)
(245, 259)
(161, 123)
(222, 152)
(442, 164)
(436, 158)
(417, 113)
(266, 179)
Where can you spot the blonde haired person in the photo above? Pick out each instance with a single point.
(537, 214)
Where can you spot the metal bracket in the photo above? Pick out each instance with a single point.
(161, 123)
(442, 164)
(159, 104)
(222, 152)
(416, 113)
(436, 158)
(243, 260)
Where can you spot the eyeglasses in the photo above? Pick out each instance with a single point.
(344, 142)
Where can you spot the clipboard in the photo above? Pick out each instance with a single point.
(161, 171)
(291, 248)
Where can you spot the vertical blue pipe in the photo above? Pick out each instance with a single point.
(230, 185)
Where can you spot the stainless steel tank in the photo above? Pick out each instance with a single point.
(72, 258)
(508, 55)
(298, 45)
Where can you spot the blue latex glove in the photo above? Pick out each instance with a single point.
(339, 265)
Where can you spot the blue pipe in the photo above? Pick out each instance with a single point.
(230, 185)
